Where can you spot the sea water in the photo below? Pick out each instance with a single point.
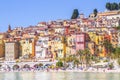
(58, 76)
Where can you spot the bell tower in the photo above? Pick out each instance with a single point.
(9, 28)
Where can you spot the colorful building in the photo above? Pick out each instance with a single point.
(2, 48)
(41, 48)
(28, 47)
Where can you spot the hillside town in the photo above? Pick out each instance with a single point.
(58, 39)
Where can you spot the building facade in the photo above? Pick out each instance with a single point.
(11, 51)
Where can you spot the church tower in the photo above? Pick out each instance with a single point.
(9, 28)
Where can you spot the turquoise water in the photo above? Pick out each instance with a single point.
(58, 76)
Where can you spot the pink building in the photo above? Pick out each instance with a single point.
(80, 41)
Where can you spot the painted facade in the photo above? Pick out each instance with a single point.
(41, 48)
(11, 51)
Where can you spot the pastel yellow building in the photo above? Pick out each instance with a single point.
(57, 48)
(2, 48)
(71, 49)
(114, 39)
(98, 39)
(28, 47)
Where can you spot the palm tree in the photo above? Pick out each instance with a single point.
(117, 52)
(88, 57)
(76, 62)
(108, 47)
(69, 58)
(80, 53)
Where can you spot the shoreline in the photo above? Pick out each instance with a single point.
(81, 71)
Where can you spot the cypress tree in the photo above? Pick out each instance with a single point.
(95, 11)
(75, 14)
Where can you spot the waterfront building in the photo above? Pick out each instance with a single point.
(61, 38)
(28, 47)
(41, 48)
(11, 51)
(71, 45)
(2, 48)
(57, 47)
(81, 41)
(114, 38)
(118, 38)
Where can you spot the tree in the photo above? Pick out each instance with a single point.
(108, 6)
(80, 53)
(59, 64)
(70, 58)
(109, 48)
(95, 11)
(118, 27)
(118, 61)
(119, 6)
(76, 62)
(75, 14)
(114, 6)
(117, 52)
(88, 57)
(111, 66)
(107, 45)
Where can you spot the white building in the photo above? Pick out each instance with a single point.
(41, 48)
(112, 17)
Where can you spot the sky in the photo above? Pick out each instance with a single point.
(29, 12)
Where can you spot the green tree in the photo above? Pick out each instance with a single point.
(95, 11)
(70, 58)
(117, 52)
(108, 6)
(88, 57)
(114, 6)
(59, 64)
(76, 62)
(118, 27)
(111, 66)
(108, 46)
(75, 14)
(80, 53)
(119, 6)
(118, 61)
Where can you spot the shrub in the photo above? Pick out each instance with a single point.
(111, 66)
(118, 61)
(59, 64)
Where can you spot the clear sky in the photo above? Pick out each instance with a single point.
(30, 12)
